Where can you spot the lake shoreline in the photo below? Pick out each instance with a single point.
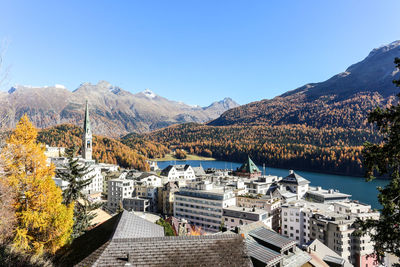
(365, 192)
(200, 158)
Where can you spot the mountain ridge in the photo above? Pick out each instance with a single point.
(344, 100)
(114, 111)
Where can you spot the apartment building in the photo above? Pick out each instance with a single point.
(135, 204)
(166, 197)
(295, 184)
(336, 230)
(317, 194)
(202, 204)
(178, 172)
(261, 184)
(118, 189)
(271, 205)
(149, 192)
(234, 216)
(94, 172)
(295, 219)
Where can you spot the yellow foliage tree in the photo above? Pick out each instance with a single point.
(44, 224)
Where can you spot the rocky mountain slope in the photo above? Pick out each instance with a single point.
(341, 101)
(114, 111)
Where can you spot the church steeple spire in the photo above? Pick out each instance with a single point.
(87, 136)
(86, 125)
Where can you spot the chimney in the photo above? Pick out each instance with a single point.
(127, 260)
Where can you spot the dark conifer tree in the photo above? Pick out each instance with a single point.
(74, 174)
(384, 159)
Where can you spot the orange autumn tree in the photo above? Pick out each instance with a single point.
(44, 224)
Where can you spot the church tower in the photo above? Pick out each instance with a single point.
(87, 136)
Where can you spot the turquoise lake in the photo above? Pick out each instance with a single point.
(360, 190)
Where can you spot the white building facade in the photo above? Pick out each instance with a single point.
(118, 189)
(179, 172)
(295, 219)
(203, 207)
(236, 216)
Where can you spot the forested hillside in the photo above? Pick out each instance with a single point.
(105, 149)
(341, 101)
(323, 112)
(335, 150)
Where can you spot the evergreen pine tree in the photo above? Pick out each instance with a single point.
(384, 159)
(74, 174)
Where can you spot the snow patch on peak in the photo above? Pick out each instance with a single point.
(60, 86)
(148, 93)
(384, 48)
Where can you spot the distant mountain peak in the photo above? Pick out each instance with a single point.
(104, 83)
(384, 48)
(60, 86)
(115, 111)
(18, 87)
(343, 100)
(148, 93)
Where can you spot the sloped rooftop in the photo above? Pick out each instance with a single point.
(133, 226)
(128, 238)
(294, 178)
(249, 167)
(262, 253)
(213, 250)
(272, 238)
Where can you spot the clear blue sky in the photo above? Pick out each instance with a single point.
(195, 51)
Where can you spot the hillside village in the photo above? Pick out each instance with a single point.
(262, 220)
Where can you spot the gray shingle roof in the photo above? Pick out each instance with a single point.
(294, 178)
(272, 238)
(262, 253)
(125, 234)
(132, 226)
(212, 250)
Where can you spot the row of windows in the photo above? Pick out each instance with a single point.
(197, 207)
(198, 201)
(196, 218)
(199, 213)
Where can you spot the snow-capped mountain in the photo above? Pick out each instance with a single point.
(114, 111)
